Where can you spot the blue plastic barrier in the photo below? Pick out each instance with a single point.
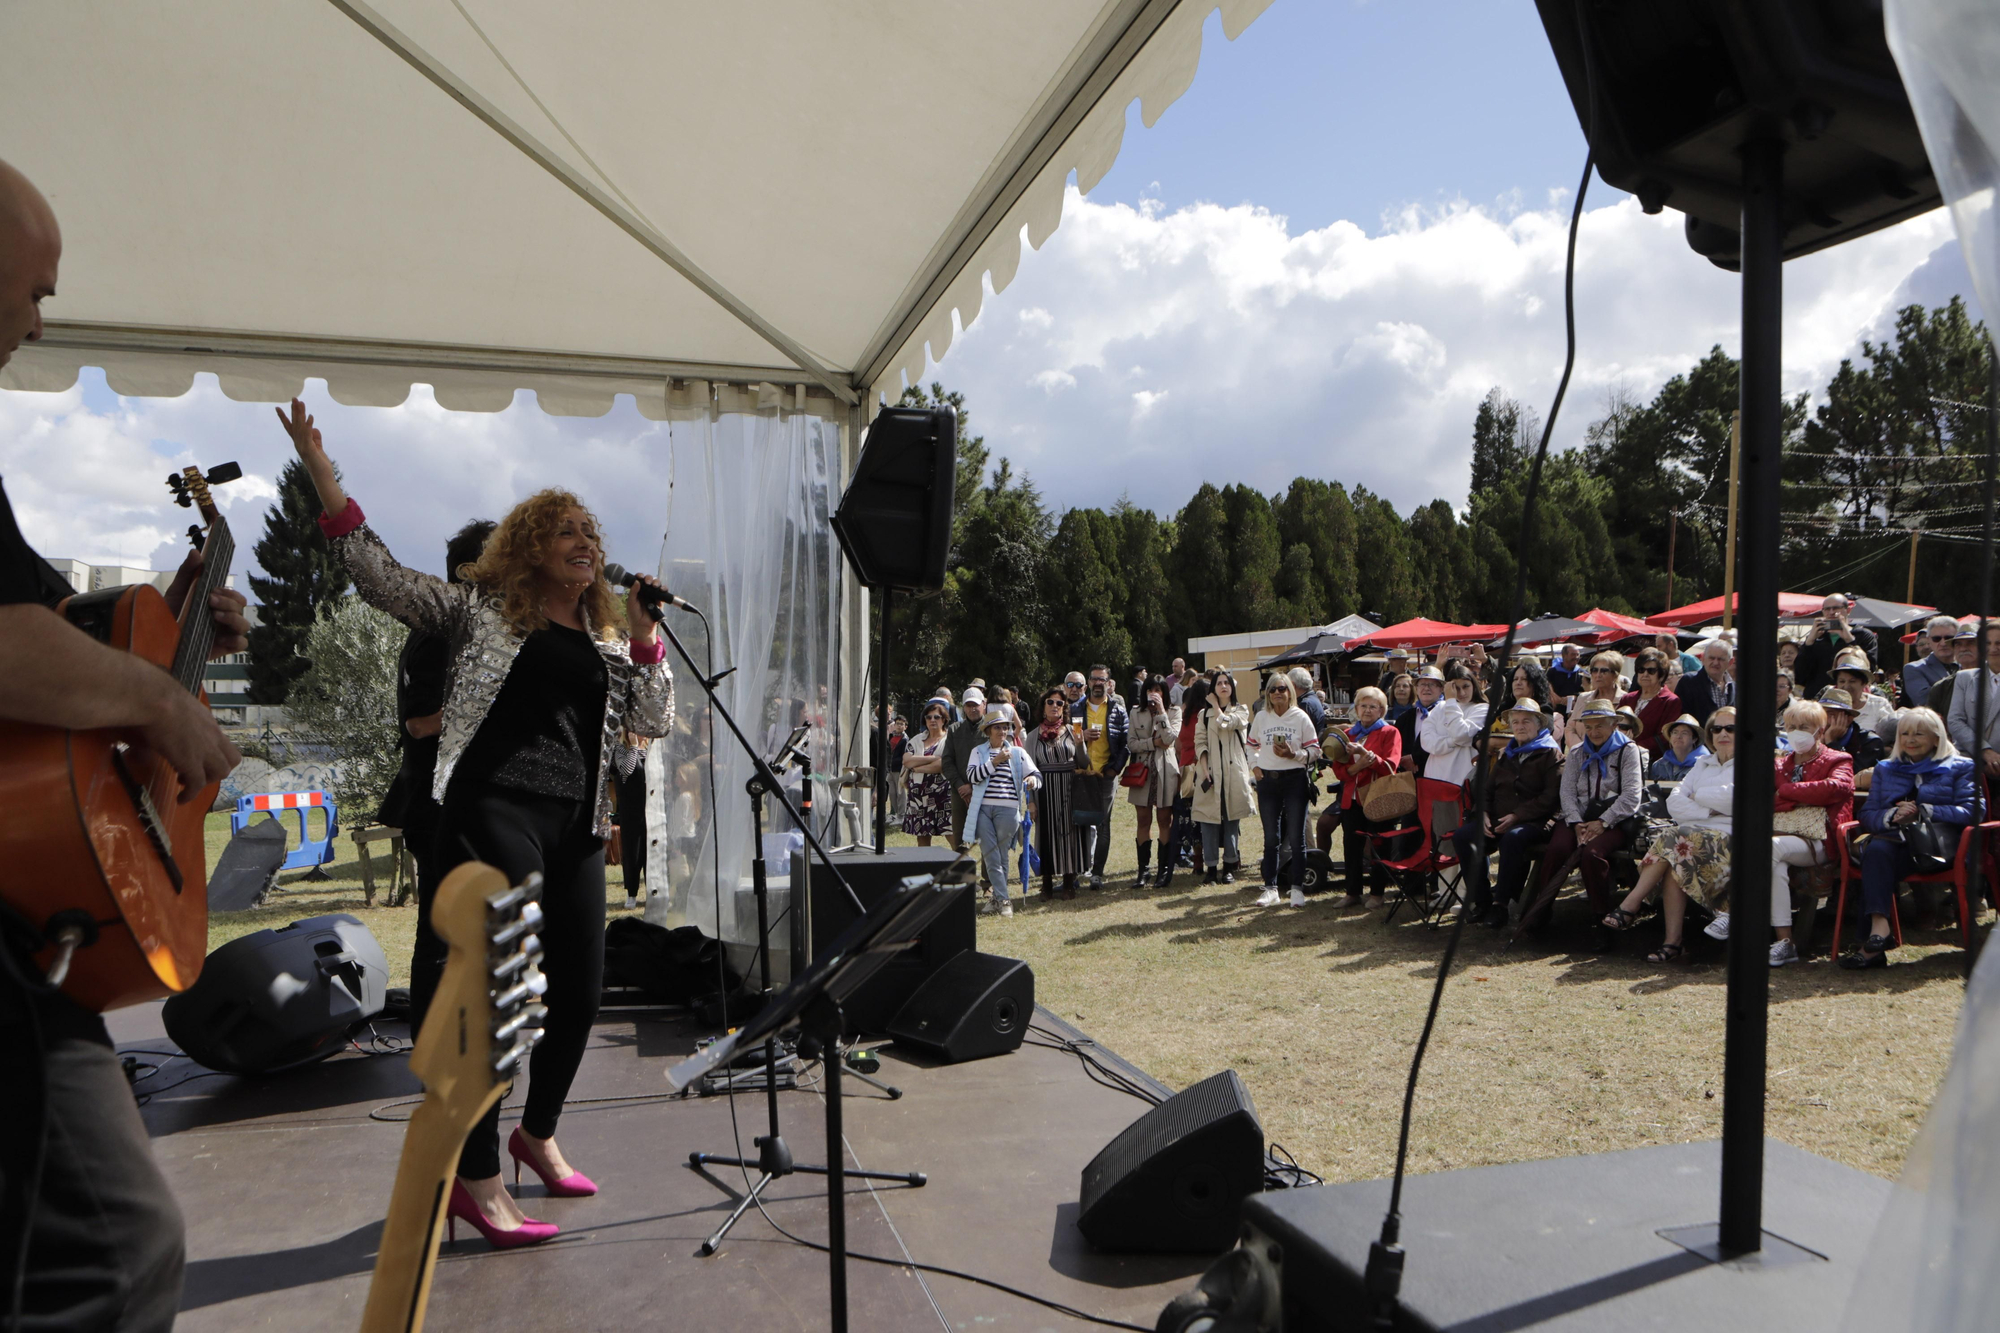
(311, 851)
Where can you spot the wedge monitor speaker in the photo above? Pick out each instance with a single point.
(1177, 1177)
(974, 1006)
(281, 998)
(894, 521)
(868, 1011)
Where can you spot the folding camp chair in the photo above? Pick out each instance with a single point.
(1417, 876)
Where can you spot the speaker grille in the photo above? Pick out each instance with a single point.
(1174, 1179)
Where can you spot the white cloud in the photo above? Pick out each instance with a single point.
(1358, 357)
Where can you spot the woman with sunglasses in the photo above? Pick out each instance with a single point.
(1603, 683)
(1282, 742)
(1059, 750)
(1690, 859)
(1655, 704)
(927, 806)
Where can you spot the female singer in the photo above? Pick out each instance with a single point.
(539, 688)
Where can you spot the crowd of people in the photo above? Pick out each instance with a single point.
(1600, 762)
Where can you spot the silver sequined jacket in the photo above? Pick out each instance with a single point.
(638, 699)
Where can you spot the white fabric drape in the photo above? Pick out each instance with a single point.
(750, 541)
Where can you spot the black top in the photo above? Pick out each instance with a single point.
(420, 674)
(546, 727)
(25, 576)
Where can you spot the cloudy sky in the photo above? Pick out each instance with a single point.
(1317, 262)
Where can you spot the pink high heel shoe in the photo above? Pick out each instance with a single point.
(575, 1185)
(530, 1232)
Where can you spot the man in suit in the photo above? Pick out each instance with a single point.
(1932, 667)
(1702, 692)
(1977, 742)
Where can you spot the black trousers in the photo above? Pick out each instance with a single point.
(520, 833)
(632, 828)
(427, 951)
(105, 1250)
(1281, 800)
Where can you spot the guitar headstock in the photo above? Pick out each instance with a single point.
(488, 1012)
(190, 487)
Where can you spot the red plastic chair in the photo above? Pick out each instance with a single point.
(1957, 877)
(1440, 810)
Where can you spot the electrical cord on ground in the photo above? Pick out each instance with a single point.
(1283, 1172)
(1099, 1071)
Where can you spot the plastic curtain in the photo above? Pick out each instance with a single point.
(1934, 1264)
(748, 540)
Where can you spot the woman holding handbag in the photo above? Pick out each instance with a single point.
(1815, 797)
(1223, 792)
(1152, 780)
(1921, 798)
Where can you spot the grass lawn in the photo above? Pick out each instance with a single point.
(1539, 1052)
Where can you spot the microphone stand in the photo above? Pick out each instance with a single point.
(774, 1159)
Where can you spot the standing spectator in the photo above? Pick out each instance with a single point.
(1601, 787)
(1282, 742)
(1430, 689)
(1652, 701)
(1001, 774)
(1105, 732)
(1154, 738)
(1526, 681)
(927, 804)
(1396, 662)
(1684, 750)
(899, 744)
(1059, 751)
(1072, 688)
(1566, 679)
(1928, 670)
(1452, 731)
(1923, 777)
(1979, 743)
(1488, 672)
(1712, 687)
(628, 764)
(1373, 749)
(1523, 794)
(1139, 679)
(1177, 682)
(1223, 792)
(1830, 633)
(1185, 850)
(1303, 696)
(958, 748)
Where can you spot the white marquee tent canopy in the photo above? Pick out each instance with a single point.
(654, 197)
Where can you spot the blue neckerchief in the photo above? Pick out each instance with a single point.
(1600, 759)
(1397, 712)
(1542, 741)
(1423, 712)
(1358, 732)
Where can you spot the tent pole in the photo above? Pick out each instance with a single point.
(1729, 540)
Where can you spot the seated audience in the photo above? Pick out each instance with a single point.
(1605, 684)
(1374, 750)
(1978, 739)
(1788, 655)
(1526, 681)
(1833, 631)
(1853, 673)
(1684, 749)
(1787, 691)
(1601, 788)
(1843, 733)
(1690, 859)
(1523, 794)
(1924, 777)
(1402, 696)
(1965, 652)
(1811, 777)
(1430, 691)
(1713, 687)
(1566, 679)
(1654, 703)
(1627, 722)
(1933, 666)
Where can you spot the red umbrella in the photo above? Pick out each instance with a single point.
(1618, 627)
(1710, 611)
(1421, 633)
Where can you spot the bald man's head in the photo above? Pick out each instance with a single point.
(30, 249)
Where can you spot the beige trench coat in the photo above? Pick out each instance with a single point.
(1218, 739)
(1155, 738)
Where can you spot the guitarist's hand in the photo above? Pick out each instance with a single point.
(232, 629)
(185, 735)
(312, 453)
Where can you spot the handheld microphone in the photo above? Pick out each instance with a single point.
(624, 578)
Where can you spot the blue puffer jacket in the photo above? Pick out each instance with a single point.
(1944, 787)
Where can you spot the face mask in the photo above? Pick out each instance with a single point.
(1802, 740)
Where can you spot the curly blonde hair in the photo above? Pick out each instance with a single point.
(506, 568)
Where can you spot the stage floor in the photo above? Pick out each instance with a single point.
(284, 1182)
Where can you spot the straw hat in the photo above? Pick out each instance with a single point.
(1590, 708)
(1835, 697)
(1684, 720)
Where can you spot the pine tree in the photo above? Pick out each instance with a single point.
(301, 575)
(1316, 528)
(1204, 598)
(1496, 441)
(1145, 546)
(1081, 594)
(1254, 559)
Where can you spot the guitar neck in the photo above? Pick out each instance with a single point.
(401, 1288)
(197, 639)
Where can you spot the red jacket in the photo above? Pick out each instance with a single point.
(1827, 779)
(1387, 744)
(1184, 747)
(1653, 718)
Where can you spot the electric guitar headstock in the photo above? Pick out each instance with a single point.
(485, 1019)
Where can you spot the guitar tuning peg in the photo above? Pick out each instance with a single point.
(194, 535)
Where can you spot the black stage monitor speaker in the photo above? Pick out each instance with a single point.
(1175, 1179)
(281, 998)
(894, 521)
(974, 1006)
(869, 1009)
(1680, 85)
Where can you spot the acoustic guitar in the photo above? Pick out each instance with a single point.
(486, 1017)
(96, 849)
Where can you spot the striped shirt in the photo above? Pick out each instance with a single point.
(998, 775)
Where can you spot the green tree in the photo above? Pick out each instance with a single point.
(1570, 566)
(1385, 566)
(999, 631)
(1443, 570)
(1082, 600)
(347, 700)
(1254, 558)
(1497, 440)
(301, 575)
(1145, 547)
(1200, 568)
(1316, 528)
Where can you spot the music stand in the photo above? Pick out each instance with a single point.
(812, 1004)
